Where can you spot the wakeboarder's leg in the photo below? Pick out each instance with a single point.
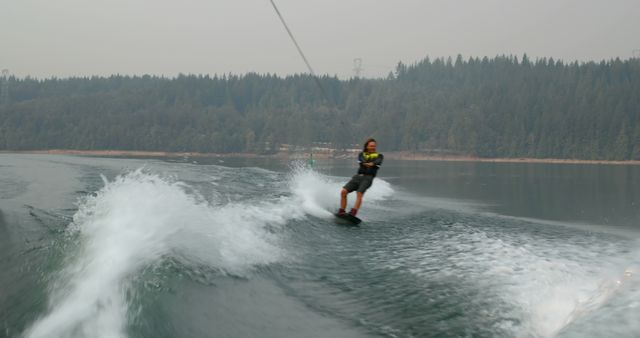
(356, 206)
(343, 200)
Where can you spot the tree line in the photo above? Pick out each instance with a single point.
(505, 106)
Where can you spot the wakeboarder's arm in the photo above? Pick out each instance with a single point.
(378, 160)
(363, 162)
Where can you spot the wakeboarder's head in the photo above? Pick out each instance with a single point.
(369, 146)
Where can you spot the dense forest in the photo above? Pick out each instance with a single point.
(505, 106)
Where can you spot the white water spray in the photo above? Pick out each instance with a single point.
(319, 195)
(133, 222)
(140, 218)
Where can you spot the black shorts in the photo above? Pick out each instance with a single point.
(359, 183)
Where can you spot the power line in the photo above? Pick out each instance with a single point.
(341, 118)
(4, 90)
(357, 67)
(313, 74)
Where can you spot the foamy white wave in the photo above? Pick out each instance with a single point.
(555, 284)
(140, 218)
(135, 221)
(546, 285)
(613, 310)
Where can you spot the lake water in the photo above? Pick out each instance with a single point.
(99, 247)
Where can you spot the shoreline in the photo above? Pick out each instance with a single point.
(394, 155)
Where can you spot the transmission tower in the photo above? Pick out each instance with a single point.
(357, 67)
(4, 89)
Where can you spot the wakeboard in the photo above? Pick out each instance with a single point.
(347, 219)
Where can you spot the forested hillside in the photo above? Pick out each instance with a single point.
(499, 107)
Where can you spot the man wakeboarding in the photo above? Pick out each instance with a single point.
(369, 163)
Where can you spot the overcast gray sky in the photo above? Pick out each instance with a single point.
(64, 38)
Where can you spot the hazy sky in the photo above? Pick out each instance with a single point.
(64, 38)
